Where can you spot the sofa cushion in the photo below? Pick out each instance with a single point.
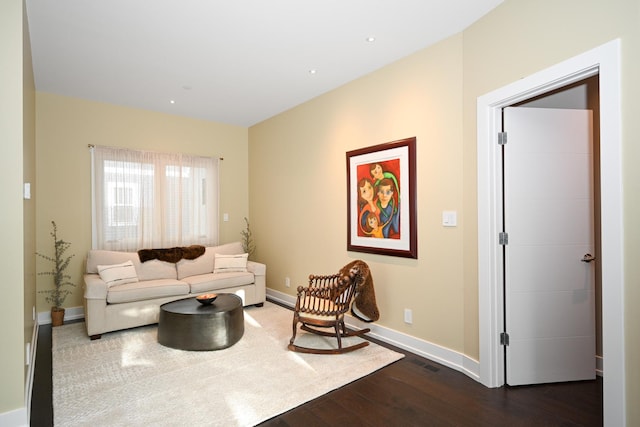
(97, 257)
(118, 274)
(193, 267)
(229, 248)
(204, 263)
(149, 270)
(149, 289)
(230, 263)
(156, 269)
(212, 282)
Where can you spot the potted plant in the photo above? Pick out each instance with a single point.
(61, 280)
(247, 239)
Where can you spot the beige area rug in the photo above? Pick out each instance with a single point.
(127, 378)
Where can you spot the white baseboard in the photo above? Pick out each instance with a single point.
(599, 366)
(450, 358)
(442, 355)
(71, 313)
(439, 354)
(281, 297)
(31, 370)
(21, 416)
(16, 418)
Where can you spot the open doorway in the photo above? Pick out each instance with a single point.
(550, 255)
(603, 61)
(552, 303)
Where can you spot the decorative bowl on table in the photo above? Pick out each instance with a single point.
(206, 299)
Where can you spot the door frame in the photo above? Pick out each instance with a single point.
(605, 61)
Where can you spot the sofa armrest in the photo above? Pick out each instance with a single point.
(94, 287)
(258, 269)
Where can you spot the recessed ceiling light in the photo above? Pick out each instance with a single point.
(172, 102)
(313, 71)
(370, 39)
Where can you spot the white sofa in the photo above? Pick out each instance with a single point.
(122, 306)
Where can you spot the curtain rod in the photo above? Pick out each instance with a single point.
(93, 146)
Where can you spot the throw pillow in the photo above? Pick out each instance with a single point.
(118, 274)
(230, 263)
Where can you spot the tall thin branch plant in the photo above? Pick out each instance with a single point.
(61, 280)
(248, 244)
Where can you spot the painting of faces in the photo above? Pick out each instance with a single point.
(379, 199)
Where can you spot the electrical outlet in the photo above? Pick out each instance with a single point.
(287, 282)
(408, 316)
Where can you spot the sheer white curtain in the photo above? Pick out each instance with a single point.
(146, 199)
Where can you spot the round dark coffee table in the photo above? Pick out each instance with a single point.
(188, 325)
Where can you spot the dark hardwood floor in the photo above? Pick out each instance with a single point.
(411, 392)
(418, 392)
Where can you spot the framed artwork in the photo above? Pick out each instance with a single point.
(381, 199)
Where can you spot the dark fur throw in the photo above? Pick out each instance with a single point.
(364, 306)
(171, 254)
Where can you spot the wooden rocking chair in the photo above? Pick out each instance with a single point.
(323, 304)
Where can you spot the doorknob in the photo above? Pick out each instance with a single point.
(588, 258)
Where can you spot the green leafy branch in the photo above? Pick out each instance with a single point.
(61, 280)
(247, 239)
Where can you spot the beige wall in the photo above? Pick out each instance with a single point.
(29, 175)
(296, 170)
(631, 176)
(297, 165)
(541, 34)
(65, 127)
(14, 118)
(298, 192)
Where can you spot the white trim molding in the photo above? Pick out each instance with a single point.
(599, 365)
(71, 313)
(450, 358)
(16, 418)
(605, 62)
(22, 416)
(31, 370)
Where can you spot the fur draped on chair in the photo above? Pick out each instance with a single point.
(364, 306)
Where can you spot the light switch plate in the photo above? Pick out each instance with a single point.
(27, 190)
(449, 218)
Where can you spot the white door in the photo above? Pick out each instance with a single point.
(549, 281)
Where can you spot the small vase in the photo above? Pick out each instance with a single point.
(57, 316)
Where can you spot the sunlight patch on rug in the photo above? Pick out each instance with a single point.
(127, 378)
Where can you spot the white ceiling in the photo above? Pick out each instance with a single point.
(231, 61)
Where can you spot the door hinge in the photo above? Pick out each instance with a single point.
(502, 138)
(504, 338)
(503, 238)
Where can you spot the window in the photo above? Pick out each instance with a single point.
(153, 200)
(120, 199)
